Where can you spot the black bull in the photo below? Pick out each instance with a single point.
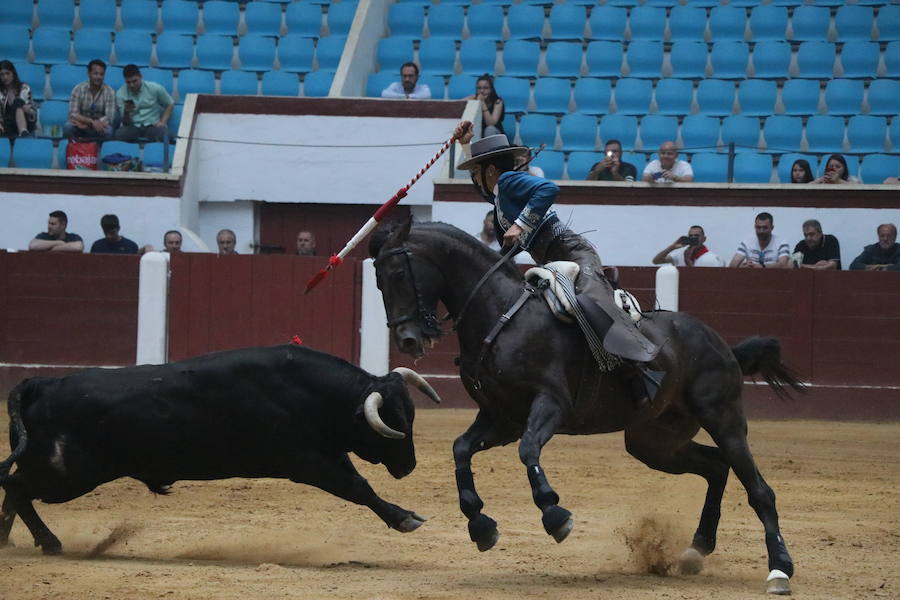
(282, 412)
(538, 378)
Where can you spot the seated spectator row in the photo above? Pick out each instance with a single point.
(36, 153)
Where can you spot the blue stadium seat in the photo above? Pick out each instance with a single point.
(786, 163)
(174, 50)
(644, 59)
(567, 22)
(317, 84)
(579, 164)
(647, 23)
(860, 59)
(810, 23)
(632, 96)
(771, 60)
(157, 157)
(90, 44)
(5, 153)
(191, 81)
(674, 96)
(727, 23)
(715, 97)
(888, 23)
(578, 132)
(304, 18)
(179, 16)
(878, 167)
(139, 15)
(844, 96)
(215, 52)
(892, 59)
(51, 46)
(700, 133)
(525, 22)
(867, 133)
(825, 134)
(510, 125)
(220, 17)
(552, 95)
(463, 85)
(757, 97)
(14, 43)
(894, 133)
(710, 167)
(97, 14)
(742, 131)
(56, 14)
(133, 47)
(592, 95)
(238, 83)
(445, 21)
(656, 129)
(800, 97)
(729, 60)
(521, 58)
(329, 50)
(768, 23)
(340, 17)
(378, 82)
(435, 83)
(438, 55)
(53, 112)
(604, 59)
(114, 77)
(18, 15)
(256, 52)
(535, 130)
(263, 18)
(750, 167)
(883, 95)
(33, 153)
(638, 159)
(280, 83)
(564, 59)
(485, 21)
(663, 3)
(854, 22)
(783, 133)
(36, 78)
(687, 23)
(619, 127)
(406, 20)
(552, 162)
(295, 53)
(63, 78)
(161, 76)
(393, 52)
(815, 60)
(175, 121)
(608, 23)
(514, 91)
(477, 55)
(688, 59)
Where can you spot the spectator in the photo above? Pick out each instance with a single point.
(525, 162)
(492, 109)
(172, 241)
(57, 239)
(695, 253)
(145, 107)
(226, 241)
(17, 110)
(667, 168)
(883, 256)
(611, 168)
(821, 252)
(836, 171)
(764, 249)
(306, 243)
(801, 172)
(92, 106)
(488, 233)
(408, 86)
(112, 242)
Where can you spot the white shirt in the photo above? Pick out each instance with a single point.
(395, 90)
(681, 168)
(774, 250)
(707, 259)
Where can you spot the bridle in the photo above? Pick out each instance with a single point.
(431, 327)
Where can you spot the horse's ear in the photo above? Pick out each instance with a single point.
(393, 233)
(403, 232)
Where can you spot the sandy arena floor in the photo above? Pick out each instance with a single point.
(837, 488)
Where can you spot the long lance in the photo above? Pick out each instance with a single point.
(337, 259)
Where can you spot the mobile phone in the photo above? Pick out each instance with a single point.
(609, 154)
(684, 240)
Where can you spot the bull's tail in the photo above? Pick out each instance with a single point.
(762, 356)
(16, 428)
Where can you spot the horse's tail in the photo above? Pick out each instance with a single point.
(762, 356)
(16, 429)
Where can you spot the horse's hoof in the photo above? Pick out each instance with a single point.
(51, 549)
(410, 523)
(690, 562)
(778, 583)
(486, 544)
(557, 522)
(483, 531)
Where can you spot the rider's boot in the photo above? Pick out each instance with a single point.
(641, 387)
(618, 332)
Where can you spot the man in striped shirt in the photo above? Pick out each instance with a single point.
(764, 250)
(92, 106)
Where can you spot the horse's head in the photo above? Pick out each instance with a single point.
(410, 285)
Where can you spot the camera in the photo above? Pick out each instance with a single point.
(684, 240)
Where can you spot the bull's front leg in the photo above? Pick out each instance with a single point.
(338, 476)
(543, 420)
(481, 435)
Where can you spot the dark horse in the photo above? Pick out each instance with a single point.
(538, 378)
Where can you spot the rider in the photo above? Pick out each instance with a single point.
(522, 216)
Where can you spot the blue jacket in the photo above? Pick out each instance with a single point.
(525, 200)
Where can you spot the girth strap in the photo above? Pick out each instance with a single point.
(503, 320)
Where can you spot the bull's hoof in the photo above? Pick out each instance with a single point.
(557, 522)
(778, 583)
(483, 531)
(690, 562)
(410, 523)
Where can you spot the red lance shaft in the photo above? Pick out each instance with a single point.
(337, 259)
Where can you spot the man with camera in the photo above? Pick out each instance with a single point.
(695, 253)
(611, 168)
(668, 168)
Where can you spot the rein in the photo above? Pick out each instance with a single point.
(478, 285)
(432, 326)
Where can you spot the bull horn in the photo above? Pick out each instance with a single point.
(411, 377)
(371, 406)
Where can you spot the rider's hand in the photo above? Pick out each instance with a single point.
(464, 132)
(511, 237)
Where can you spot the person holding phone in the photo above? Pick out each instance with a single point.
(611, 168)
(695, 253)
(668, 168)
(145, 107)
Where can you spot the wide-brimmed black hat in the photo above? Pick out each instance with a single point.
(489, 147)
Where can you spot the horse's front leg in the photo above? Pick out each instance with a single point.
(484, 433)
(543, 419)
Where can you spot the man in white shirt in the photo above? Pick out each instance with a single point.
(764, 250)
(695, 253)
(408, 86)
(667, 168)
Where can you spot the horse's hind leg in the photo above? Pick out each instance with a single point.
(20, 503)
